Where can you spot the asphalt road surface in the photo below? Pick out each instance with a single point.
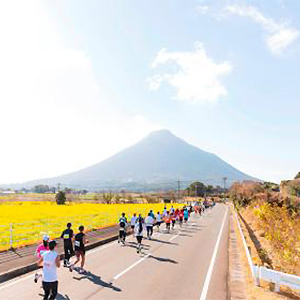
(188, 263)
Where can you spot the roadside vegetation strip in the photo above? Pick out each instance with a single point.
(272, 218)
(265, 290)
(25, 222)
(286, 285)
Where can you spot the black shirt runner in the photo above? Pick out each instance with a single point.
(79, 246)
(67, 236)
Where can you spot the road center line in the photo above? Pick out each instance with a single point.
(132, 266)
(212, 262)
(88, 253)
(16, 281)
(174, 237)
(139, 261)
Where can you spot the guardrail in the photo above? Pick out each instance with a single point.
(258, 273)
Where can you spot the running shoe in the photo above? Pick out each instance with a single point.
(71, 267)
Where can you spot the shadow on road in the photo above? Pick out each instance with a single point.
(134, 245)
(183, 234)
(97, 280)
(190, 230)
(164, 242)
(59, 296)
(195, 227)
(163, 259)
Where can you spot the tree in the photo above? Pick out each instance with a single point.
(108, 197)
(197, 189)
(60, 198)
(297, 176)
(209, 189)
(41, 188)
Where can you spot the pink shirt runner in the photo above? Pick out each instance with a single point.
(41, 249)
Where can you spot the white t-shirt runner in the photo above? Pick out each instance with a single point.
(49, 266)
(158, 217)
(149, 221)
(137, 229)
(133, 220)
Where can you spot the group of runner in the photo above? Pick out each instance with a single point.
(49, 259)
(139, 224)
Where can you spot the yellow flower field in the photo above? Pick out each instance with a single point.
(23, 223)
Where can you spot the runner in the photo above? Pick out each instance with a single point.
(80, 241)
(173, 219)
(140, 218)
(181, 215)
(149, 221)
(165, 212)
(133, 221)
(158, 220)
(122, 229)
(172, 210)
(138, 231)
(176, 213)
(168, 222)
(41, 249)
(67, 235)
(50, 261)
(152, 214)
(186, 215)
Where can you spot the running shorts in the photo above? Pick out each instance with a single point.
(80, 252)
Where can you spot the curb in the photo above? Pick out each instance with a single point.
(237, 278)
(33, 266)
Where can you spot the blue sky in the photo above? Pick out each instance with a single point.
(92, 77)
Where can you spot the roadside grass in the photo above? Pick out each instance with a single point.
(265, 290)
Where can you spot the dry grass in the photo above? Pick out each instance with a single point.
(265, 290)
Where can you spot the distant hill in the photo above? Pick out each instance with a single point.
(159, 159)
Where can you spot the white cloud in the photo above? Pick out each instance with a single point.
(202, 9)
(197, 77)
(280, 35)
(55, 116)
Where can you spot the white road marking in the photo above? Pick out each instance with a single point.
(174, 237)
(131, 267)
(139, 261)
(212, 262)
(157, 234)
(16, 281)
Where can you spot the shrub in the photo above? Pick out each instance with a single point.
(60, 198)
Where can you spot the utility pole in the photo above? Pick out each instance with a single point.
(225, 178)
(178, 190)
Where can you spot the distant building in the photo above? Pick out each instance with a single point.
(7, 192)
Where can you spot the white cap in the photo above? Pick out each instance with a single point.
(46, 238)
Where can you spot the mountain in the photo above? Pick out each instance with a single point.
(158, 159)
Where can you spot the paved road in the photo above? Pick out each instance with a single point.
(188, 263)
